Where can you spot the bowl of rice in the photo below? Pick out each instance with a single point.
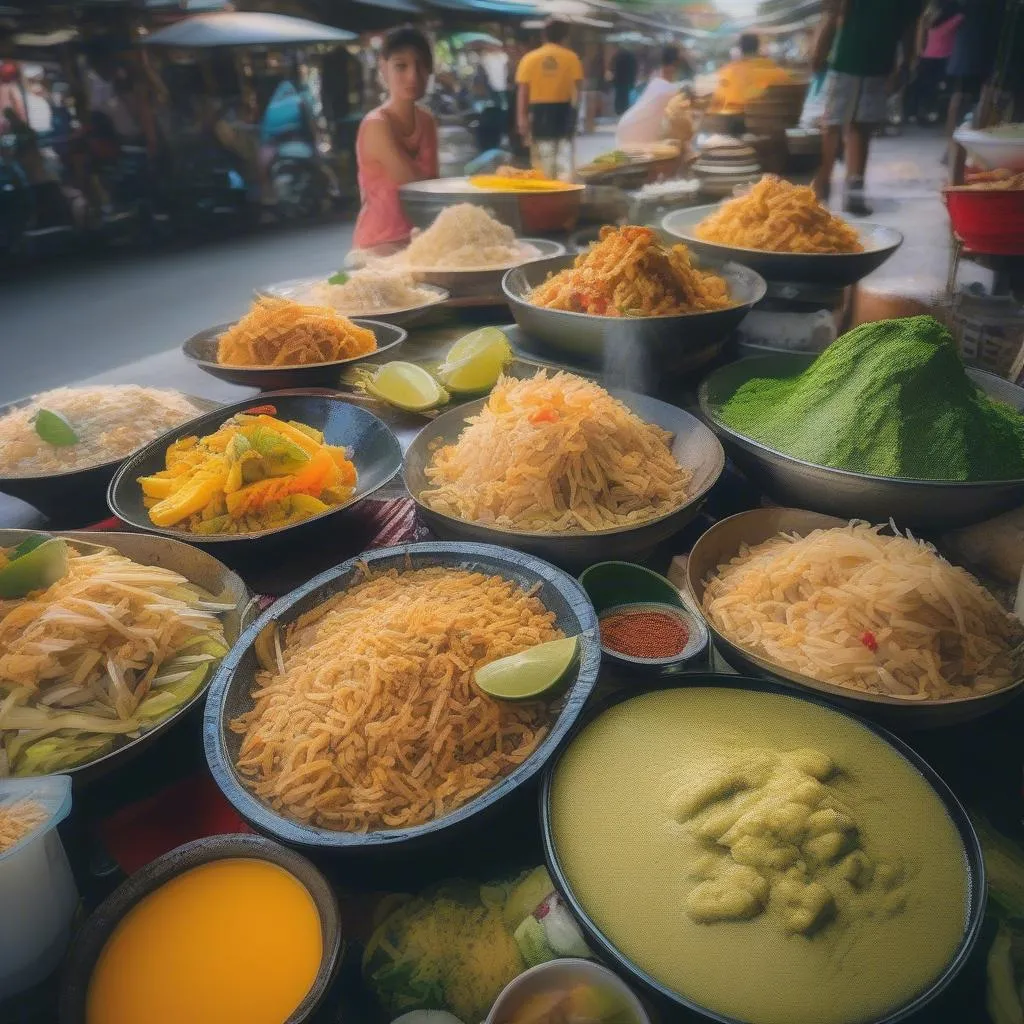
(466, 251)
(95, 429)
(383, 648)
(391, 296)
(640, 311)
(285, 342)
(557, 466)
(868, 617)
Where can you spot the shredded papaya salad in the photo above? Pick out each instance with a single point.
(255, 473)
(95, 650)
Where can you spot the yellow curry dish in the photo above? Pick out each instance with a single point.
(766, 858)
(255, 473)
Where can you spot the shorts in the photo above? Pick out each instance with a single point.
(855, 99)
(552, 120)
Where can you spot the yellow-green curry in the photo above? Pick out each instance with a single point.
(765, 857)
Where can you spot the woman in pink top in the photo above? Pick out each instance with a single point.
(936, 35)
(397, 142)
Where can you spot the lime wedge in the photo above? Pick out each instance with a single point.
(407, 386)
(54, 429)
(34, 569)
(475, 361)
(530, 673)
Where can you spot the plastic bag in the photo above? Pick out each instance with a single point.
(641, 124)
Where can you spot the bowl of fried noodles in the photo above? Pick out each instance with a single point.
(347, 716)
(557, 466)
(868, 616)
(284, 343)
(784, 233)
(641, 311)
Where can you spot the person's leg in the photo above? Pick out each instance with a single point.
(858, 144)
(837, 101)
(831, 134)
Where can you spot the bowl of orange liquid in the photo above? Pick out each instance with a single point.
(231, 929)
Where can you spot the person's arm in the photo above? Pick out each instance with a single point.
(908, 54)
(523, 111)
(379, 145)
(430, 141)
(826, 35)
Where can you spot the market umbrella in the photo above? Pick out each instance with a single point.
(462, 39)
(245, 28)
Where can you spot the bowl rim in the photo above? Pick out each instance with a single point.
(202, 540)
(709, 414)
(245, 609)
(97, 929)
(472, 408)
(695, 589)
(204, 405)
(453, 553)
(974, 862)
(737, 270)
(440, 295)
(860, 228)
(213, 365)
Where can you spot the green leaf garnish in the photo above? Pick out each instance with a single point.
(54, 429)
(339, 278)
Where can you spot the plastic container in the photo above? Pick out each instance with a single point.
(38, 896)
(988, 221)
(994, 147)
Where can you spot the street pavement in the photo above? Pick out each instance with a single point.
(66, 320)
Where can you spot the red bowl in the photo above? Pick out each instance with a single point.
(988, 220)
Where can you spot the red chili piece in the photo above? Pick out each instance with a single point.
(869, 641)
(261, 410)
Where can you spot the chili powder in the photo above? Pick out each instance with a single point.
(644, 632)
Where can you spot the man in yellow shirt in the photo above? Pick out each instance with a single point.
(549, 81)
(745, 79)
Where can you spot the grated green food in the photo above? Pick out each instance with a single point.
(887, 399)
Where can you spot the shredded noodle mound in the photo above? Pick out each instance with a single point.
(373, 719)
(629, 273)
(282, 332)
(556, 454)
(370, 291)
(18, 819)
(861, 609)
(777, 216)
(463, 237)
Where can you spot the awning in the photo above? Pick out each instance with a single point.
(245, 28)
(403, 6)
(485, 7)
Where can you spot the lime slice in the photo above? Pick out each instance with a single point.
(475, 361)
(407, 386)
(530, 673)
(34, 569)
(54, 429)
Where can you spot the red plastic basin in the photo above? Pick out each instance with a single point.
(988, 220)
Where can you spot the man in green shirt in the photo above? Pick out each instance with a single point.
(868, 46)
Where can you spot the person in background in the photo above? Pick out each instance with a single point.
(623, 77)
(745, 79)
(869, 46)
(12, 99)
(642, 123)
(549, 81)
(936, 36)
(397, 142)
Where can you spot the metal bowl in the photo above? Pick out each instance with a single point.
(367, 442)
(693, 446)
(234, 682)
(78, 492)
(198, 567)
(974, 864)
(297, 288)
(201, 349)
(641, 349)
(91, 940)
(723, 541)
(539, 212)
(838, 269)
(925, 504)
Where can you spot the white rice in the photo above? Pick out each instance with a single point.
(369, 291)
(111, 423)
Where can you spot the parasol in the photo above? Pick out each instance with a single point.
(245, 28)
(466, 39)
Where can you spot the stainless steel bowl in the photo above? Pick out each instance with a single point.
(632, 350)
(370, 445)
(298, 288)
(230, 692)
(925, 504)
(77, 493)
(723, 541)
(693, 446)
(201, 349)
(838, 269)
(199, 568)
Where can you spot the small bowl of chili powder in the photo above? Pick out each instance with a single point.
(646, 627)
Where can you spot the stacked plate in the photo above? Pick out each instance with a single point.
(724, 163)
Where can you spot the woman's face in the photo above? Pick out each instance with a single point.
(405, 75)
